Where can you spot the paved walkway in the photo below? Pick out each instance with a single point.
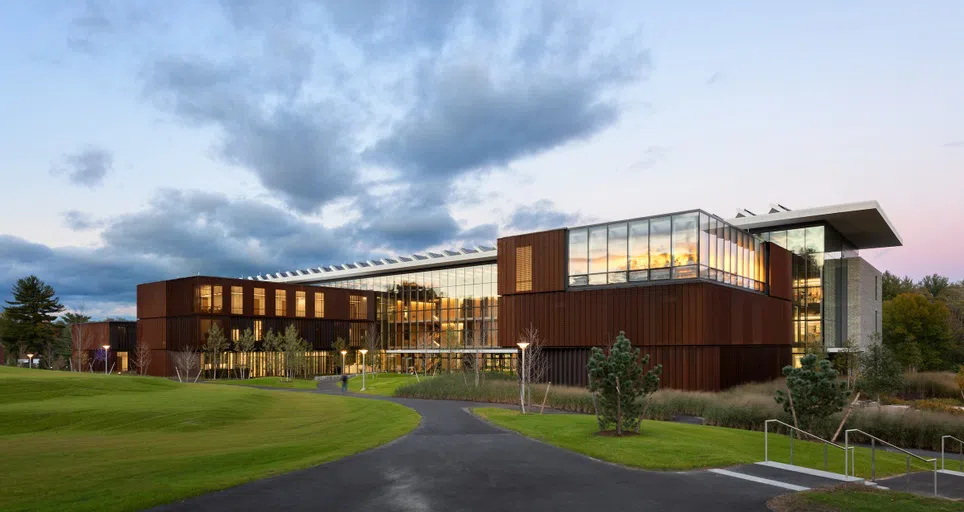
(455, 461)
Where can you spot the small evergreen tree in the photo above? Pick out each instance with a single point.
(618, 380)
(813, 391)
(30, 317)
(215, 346)
(880, 371)
(245, 346)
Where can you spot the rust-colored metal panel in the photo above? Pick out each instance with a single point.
(152, 332)
(548, 261)
(152, 300)
(780, 278)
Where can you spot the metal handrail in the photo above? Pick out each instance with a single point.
(873, 447)
(959, 442)
(766, 443)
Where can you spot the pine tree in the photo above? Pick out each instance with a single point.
(618, 380)
(814, 392)
(30, 316)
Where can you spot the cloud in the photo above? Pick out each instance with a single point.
(954, 144)
(81, 221)
(86, 167)
(539, 216)
(652, 156)
(714, 78)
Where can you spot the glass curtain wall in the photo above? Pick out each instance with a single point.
(441, 309)
(687, 245)
(819, 284)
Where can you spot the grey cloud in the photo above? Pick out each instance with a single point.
(714, 78)
(86, 167)
(81, 221)
(541, 215)
(954, 144)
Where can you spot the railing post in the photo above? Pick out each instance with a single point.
(825, 457)
(766, 441)
(935, 478)
(961, 445)
(907, 475)
(846, 452)
(791, 447)
(873, 462)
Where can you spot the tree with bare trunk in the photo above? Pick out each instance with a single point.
(187, 362)
(473, 360)
(293, 349)
(424, 342)
(144, 355)
(215, 346)
(536, 361)
(373, 342)
(81, 342)
(245, 346)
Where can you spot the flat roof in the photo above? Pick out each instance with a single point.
(864, 224)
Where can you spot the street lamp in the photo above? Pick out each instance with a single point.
(30, 361)
(343, 352)
(522, 391)
(363, 352)
(106, 357)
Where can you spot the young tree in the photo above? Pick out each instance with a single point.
(373, 342)
(618, 380)
(336, 349)
(245, 346)
(68, 323)
(536, 361)
(293, 348)
(144, 355)
(424, 342)
(813, 391)
(31, 315)
(215, 346)
(880, 371)
(187, 361)
(271, 344)
(846, 362)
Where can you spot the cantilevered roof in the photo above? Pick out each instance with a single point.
(865, 224)
(421, 261)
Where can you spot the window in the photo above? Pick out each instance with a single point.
(235, 334)
(237, 300)
(299, 304)
(357, 307)
(218, 302)
(618, 253)
(659, 242)
(685, 236)
(280, 303)
(523, 268)
(259, 302)
(204, 299)
(875, 289)
(258, 329)
(578, 251)
(319, 305)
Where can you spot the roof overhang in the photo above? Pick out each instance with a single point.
(864, 224)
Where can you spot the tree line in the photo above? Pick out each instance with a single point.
(923, 322)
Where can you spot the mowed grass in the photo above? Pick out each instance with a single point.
(273, 382)
(73, 441)
(665, 446)
(860, 498)
(383, 384)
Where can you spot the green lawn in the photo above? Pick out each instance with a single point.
(384, 384)
(853, 498)
(675, 446)
(71, 441)
(274, 382)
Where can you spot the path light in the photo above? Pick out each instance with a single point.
(106, 357)
(343, 370)
(522, 390)
(363, 352)
(30, 361)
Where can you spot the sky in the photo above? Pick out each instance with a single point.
(148, 140)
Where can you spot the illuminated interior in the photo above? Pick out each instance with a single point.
(686, 245)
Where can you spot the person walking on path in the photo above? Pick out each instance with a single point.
(344, 382)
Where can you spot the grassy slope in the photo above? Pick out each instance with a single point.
(66, 438)
(384, 384)
(274, 382)
(675, 446)
(860, 499)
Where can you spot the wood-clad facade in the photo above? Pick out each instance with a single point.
(175, 314)
(707, 335)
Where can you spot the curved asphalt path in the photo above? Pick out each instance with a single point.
(456, 461)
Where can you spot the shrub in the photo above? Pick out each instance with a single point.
(814, 391)
(618, 380)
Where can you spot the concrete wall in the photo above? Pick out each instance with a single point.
(864, 304)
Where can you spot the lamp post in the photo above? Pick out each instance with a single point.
(30, 361)
(522, 390)
(363, 352)
(343, 352)
(106, 357)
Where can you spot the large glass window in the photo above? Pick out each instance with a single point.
(578, 252)
(280, 303)
(204, 299)
(217, 302)
(597, 251)
(660, 245)
(258, 329)
(237, 300)
(319, 305)
(618, 253)
(358, 307)
(258, 301)
(685, 239)
(300, 305)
